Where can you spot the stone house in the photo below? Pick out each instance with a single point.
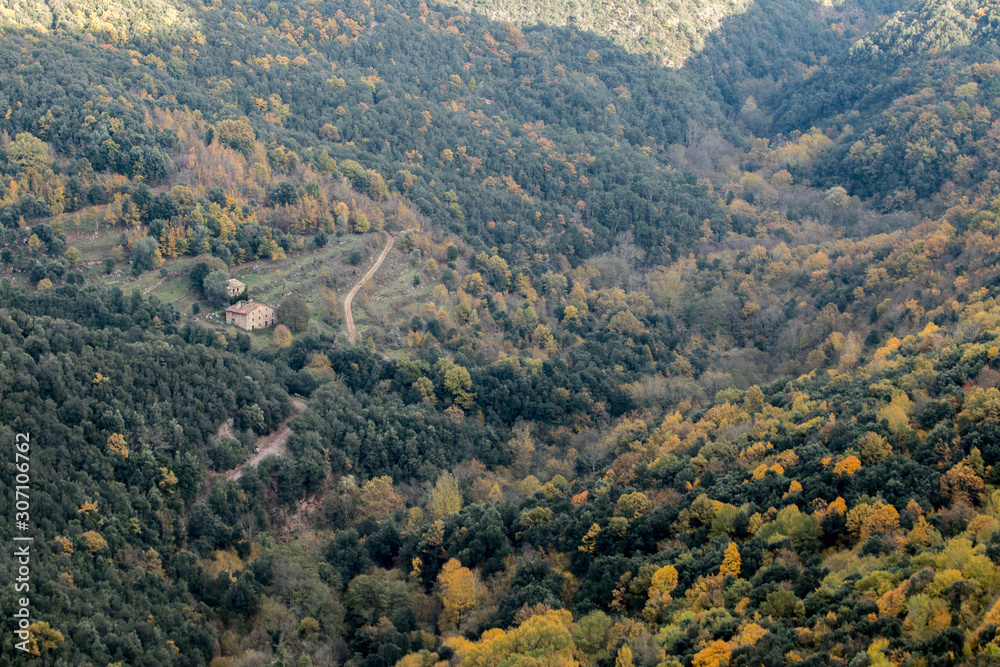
(250, 315)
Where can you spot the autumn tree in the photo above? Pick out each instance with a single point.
(378, 498)
(847, 466)
(897, 412)
(374, 185)
(43, 636)
(330, 310)
(522, 447)
(525, 288)
(926, 617)
(731, 562)
(624, 322)
(29, 152)
(73, 256)
(868, 518)
(458, 382)
(93, 541)
(662, 584)
(715, 654)
(543, 338)
(425, 389)
(458, 592)
(589, 541)
(749, 634)
(341, 212)
(282, 336)
(329, 132)
(446, 497)
(238, 134)
(496, 270)
(360, 222)
(545, 635)
(874, 448)
(472, 283)
(962, 484)
(624, 657)
(753, 400)
(116, 443)
(321, 368)
(591, 633)
(633, 505)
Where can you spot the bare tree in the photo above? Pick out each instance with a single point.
(594, 450)
(626, 250)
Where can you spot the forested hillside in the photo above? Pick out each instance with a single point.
(667, 32)
(766, 35)
(683, 366)
(911, 107)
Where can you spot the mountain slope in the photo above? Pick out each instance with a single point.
(600, 410)
(911, 107)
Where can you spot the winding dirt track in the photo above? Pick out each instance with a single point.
(273, 443)
(352, 331)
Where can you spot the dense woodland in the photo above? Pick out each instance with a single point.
(680, 366)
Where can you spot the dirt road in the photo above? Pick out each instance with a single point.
(352, 331)
(272, 443)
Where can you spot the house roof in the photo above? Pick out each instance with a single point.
(245, 307)
(233, 282)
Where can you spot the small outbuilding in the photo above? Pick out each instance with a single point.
(234, 287)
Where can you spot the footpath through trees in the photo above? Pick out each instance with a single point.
(352, 331)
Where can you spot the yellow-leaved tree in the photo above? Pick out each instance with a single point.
(378, 497)
(93, 541)
(29, 152)
(116, 443)
(749, 634)
(731, 561)
(458, 381)
(446, 497)
(543, 640)
(962, 484)
(282, 336)
(458, 593)
(897, 412)
(753, 400)
(42, 635)
(715, 654)
(664, 581)
(865, 519)
(874, 448)
(589, 541)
